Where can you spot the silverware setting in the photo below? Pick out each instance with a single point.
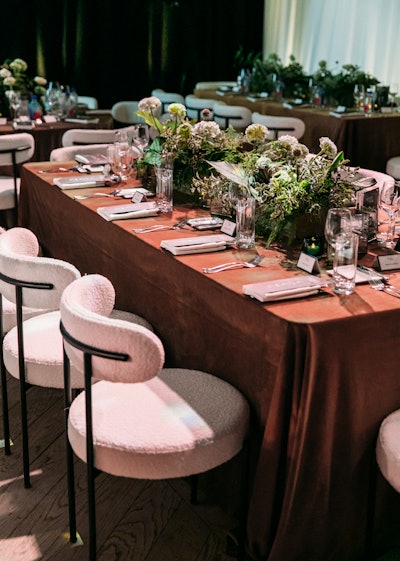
(157, 227)
(378, 283)
(255, 262)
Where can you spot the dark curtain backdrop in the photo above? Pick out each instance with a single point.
(121, 49)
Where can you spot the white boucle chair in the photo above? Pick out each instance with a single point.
(15, 149)
(195, 105)
(388, 449)
(33, 350)
(280, 125)
(236, 116)
(141, 421)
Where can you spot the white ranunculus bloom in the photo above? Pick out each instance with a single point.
(177, 110)
(9, 81)
(18, 65)
(149, 103)
(40, 81)
(4, 73)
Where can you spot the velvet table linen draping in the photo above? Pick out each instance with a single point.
(320, 373)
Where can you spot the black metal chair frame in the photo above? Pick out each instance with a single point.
(88, 352)
(23, 386)
(13, 152)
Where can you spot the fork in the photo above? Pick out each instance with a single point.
(159, 227)
(234, 265)
(377, 283)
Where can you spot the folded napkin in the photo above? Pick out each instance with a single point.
(283, 289)
(80, 182)
(132, 210)
(203, 244)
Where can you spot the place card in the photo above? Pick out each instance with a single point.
(308, 263)
(389, 262)
(3, 120)
(49, 119)
(228, 227)
(138, 197)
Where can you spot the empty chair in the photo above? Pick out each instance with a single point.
(195, 105)
(124, 112)
(73, 137)
(33, 351)
(160, 423)
(15, 149)
(236, 116)
(393, 167)
(167, 98)
(69, 152)
(280, 126)
(388, 449)
(91, 102)
(215, 85)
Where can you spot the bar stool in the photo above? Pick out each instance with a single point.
(160, 423)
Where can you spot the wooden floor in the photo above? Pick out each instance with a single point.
(136, 520)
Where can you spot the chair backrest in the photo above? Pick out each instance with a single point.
(195, 105)
(69, 152)
(91, 102)
(167, 98)
(73, 137)
(125, 112)
(280, 126)
(22, 145)
(85, 307)
(215, 85)
(19, 261)
(237, 116)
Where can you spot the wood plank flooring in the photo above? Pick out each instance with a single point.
(136, 520)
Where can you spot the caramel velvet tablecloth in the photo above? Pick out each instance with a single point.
(366, 141)
(320, 373)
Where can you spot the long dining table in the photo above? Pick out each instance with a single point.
(367, 142)
(320, 373)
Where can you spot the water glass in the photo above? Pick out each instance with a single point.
(164, 188)
(345, 264)
(245, 222)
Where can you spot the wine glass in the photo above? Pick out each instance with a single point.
(338, 222)
(142, 138)
(121, 157)
(393, 91)
(389, 202)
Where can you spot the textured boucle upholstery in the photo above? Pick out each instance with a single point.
(9, 314)
(19, 259)
(85, 308)
(388, 449)
(148, 423)
(180, 423)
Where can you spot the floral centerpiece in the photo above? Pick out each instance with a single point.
(14, 78)
(288, 183)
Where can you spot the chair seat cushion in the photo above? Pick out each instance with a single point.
(393, 167)
(177, 424)
(388, 449)
(133, 318)
(7, 200)
(9, 314)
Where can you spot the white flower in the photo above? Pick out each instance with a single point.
(5, 73)
(40, 81)
(9, 81)
(206, 128)
(256, 133)
(288, 139)
(262, 162)
(300, 151)
(18, 65)
(177, 110)
(149, 104)
(328, 147)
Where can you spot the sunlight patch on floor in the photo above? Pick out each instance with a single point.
(23, 548)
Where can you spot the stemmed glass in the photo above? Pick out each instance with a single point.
(338, 222)
(142, 138)
(14, 99)
(389, 202)
(121, 159)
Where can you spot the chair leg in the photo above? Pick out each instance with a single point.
(68, 396)
(25, 438)
(4, 398)
(194, 481)
(245, 468)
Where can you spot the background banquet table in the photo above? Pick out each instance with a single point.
(320, 373)
(366, 141)
(48, 136)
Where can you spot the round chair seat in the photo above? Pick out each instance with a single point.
(388, 449)
(180, 423)
(393, 167)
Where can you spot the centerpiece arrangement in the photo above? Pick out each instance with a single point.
(15, 78)
(288, 183)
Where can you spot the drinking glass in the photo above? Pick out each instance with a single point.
(345, 263)
(338, 221)
(393, 91)
(121, 159)
(245, 222)
(141, 137)
(389, 202)
(359, 93)
(164, 188)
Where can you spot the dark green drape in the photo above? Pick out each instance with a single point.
(122, 49)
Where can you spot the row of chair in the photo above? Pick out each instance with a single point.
(61, 330)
